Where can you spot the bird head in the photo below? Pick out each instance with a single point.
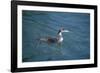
(63, 30)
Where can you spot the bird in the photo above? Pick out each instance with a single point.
(52, 40)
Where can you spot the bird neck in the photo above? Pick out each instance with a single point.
(59, 37)
(60, 34)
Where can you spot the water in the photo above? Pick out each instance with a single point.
(37, 24)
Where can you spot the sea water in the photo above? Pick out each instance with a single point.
(37, 24)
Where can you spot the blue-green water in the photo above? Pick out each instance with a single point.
(37, 24)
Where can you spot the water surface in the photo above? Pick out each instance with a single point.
(36, 24)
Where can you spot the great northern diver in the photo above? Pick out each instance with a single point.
(58, 39)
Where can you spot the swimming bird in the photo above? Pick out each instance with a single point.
(58, 39)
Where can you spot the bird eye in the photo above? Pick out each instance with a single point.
(62, 28)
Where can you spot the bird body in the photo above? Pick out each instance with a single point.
(60, 40)
(49, 39)
(57, 39)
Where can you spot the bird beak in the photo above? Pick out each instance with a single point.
(65, 31)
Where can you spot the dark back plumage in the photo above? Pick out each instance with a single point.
(52, 40)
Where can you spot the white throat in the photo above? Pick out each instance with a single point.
(60, 34)
(60, 37)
